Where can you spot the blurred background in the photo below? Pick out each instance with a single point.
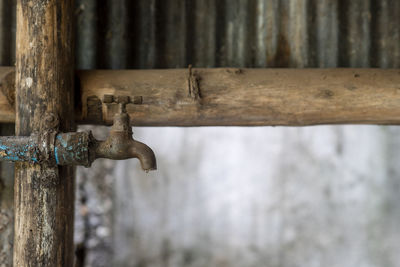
(230, 196)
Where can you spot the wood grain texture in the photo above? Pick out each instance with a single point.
(44, 195)
(6, 204)
(244, 97)
(248, 97)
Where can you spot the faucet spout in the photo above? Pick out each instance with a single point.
(120, 146)
(145, 155)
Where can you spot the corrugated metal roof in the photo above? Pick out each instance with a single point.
(7, 32)
(237, 33)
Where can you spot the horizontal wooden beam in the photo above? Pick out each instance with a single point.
(229, 97)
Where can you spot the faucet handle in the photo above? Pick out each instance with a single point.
(108, 99)
(122, 100)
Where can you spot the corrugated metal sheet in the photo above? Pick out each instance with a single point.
(239, 33)
(7, 32)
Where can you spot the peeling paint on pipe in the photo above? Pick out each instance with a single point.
(79, 149)
(19, 149)
(61, 149)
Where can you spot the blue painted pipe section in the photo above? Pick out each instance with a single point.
(17, 149)
(72, 149)
(63, 149)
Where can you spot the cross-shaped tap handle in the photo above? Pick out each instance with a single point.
(122, 100)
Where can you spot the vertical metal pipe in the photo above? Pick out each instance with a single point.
(44, 195)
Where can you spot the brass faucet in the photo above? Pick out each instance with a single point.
(120, 144)
(79, 148)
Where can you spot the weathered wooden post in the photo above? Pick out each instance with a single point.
(44, 194)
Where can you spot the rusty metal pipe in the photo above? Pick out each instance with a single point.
(49, 148)
(13, 148)
(78, 148)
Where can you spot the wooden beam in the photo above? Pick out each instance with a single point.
(248, 97)
(43, 194)
(243, 97)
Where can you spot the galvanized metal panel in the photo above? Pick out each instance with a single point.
(7, 32)
(238, 33)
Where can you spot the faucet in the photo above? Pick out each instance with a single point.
(120, 144)
(79, 148)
